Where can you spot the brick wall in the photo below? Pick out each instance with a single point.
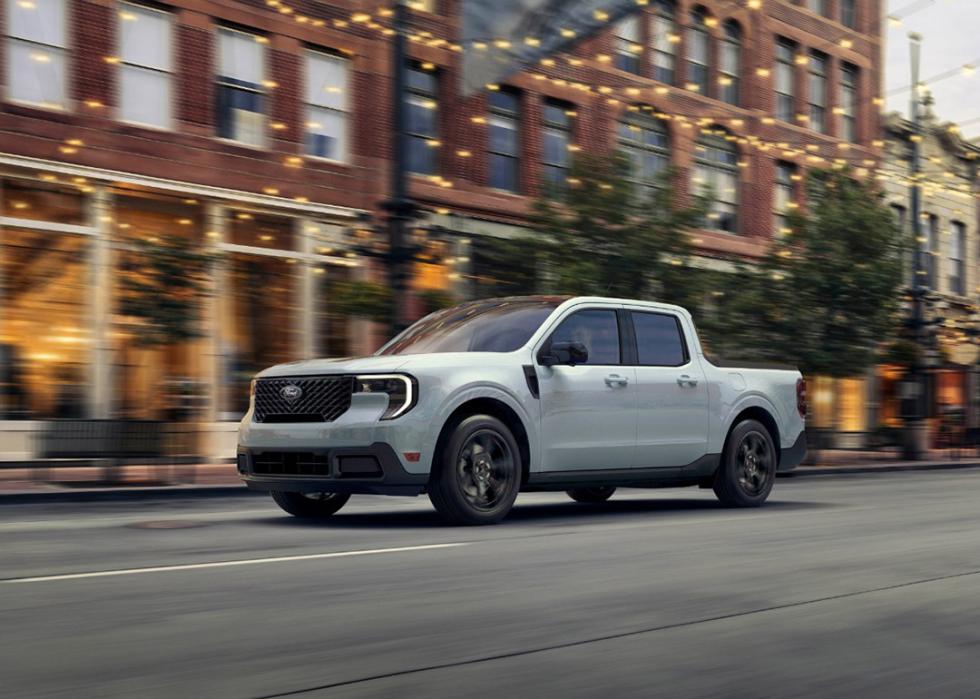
(191, 153)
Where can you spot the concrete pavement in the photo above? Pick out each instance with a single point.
(858, 585)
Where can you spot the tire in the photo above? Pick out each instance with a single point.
(748, 469)
(477, 475)
(310, 505)
(596, 494)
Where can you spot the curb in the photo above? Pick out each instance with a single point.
(808, 471)
(81, 495)
(25, 497)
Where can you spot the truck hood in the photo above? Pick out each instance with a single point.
(341, 365)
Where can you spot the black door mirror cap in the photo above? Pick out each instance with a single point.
(564, 353)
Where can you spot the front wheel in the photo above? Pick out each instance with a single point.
(593, 495)
(477, 475)
(748, 469)
(310, 505)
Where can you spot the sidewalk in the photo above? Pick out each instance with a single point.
(221, 480)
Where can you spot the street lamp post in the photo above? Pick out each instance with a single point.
(401, 210)
(915, 437)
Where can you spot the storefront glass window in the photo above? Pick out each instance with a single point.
(158, 370)
(261, 307)
(333, 329)
(44, 330)
(42, 201)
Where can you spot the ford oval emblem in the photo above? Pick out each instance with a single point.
(291, 393)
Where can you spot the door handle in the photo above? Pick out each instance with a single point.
(685, 380)
(616, 380)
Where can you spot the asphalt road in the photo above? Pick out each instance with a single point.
(861, 585)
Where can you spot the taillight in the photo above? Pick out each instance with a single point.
(801, 397)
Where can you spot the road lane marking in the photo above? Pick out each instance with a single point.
(226, 564)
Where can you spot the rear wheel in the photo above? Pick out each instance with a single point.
(478, 474)
(748, 469)
(593, 495)
(310, 505)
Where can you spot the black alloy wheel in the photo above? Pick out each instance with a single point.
(748, 469)
(310, 505)
(478, 474)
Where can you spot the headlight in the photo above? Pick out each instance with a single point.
(400, 389)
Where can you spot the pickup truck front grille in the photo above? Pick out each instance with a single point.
(302, 399)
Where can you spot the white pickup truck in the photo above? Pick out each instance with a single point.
(480, 401)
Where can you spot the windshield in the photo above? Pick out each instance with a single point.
(490, 325)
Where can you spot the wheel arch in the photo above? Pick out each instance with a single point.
(486, 405)
(760, 414)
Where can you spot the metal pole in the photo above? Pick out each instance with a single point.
(400, 208)
(915, 438)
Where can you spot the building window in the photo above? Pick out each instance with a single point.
(849, 102)
(848, 13)
(898, 211)
(643, 139)
(663, 40)
(785, 197)
(505, 145)
(930, 252)
(698, 52)
(36, 55)
(263, 308)
(326, 105)
(819, 6)
(164, 381)
(422, 126)
(818, 92)
(957, 253)
(731, 61)
(241, 98)
(145, 66)
(557, 138)
(716, 174)
(628, 46)
(45, 293)
(785, 80)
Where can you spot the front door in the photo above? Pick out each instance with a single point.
(671, 394)
(588, 411)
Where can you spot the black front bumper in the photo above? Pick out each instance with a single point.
(793, 456)
(374, 469)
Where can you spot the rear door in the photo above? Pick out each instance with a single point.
(671, 392)
(588, 411)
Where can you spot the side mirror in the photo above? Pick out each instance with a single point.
(564, 353)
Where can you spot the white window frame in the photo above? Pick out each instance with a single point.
(121, 5)
(344, 111)
(264, 145)
(61, 50)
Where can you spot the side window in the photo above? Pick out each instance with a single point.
(597, 329)
(659, 340)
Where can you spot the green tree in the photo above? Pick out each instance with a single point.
(825, 297)
(600, 236)
(163, 284)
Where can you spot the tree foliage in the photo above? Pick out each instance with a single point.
(162, 287)
(603, 237)
(825, 297)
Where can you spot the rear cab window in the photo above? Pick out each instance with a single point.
(660, 339)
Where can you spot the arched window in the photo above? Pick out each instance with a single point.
(698, 51)
(663, 41)
(716, 173)
(643, 139)
(731, 63)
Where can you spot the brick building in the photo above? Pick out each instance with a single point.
(262, 129)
